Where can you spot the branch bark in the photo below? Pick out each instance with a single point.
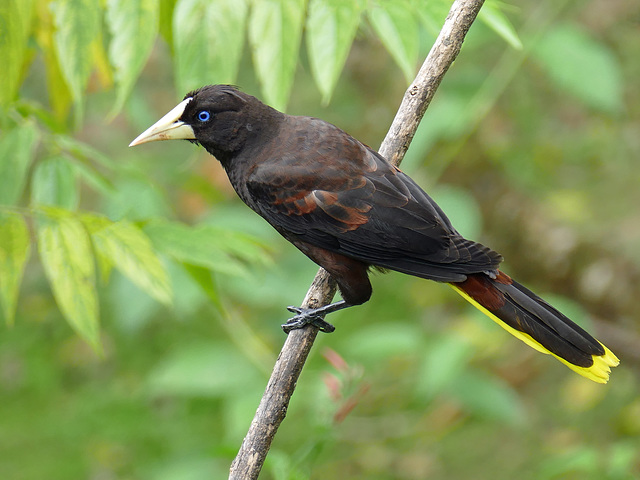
(273, 406)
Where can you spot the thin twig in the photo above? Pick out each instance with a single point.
(274, 403)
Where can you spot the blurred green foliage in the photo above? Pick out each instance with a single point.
(530, 146)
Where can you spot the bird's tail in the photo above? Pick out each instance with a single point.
(529, 318)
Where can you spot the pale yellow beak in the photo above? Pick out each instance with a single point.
(168, 127)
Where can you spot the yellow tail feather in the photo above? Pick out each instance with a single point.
(598, 372)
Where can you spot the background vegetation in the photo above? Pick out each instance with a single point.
(143, 301)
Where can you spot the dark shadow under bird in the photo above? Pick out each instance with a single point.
(348, 209)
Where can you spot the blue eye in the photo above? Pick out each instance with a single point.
(204, 116)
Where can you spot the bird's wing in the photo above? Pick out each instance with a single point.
(346, 198)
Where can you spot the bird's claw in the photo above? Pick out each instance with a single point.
(306, 316)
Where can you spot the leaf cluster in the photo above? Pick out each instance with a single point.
(87, 45)
(92, 44)
(42, 178)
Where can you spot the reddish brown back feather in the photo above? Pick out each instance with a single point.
(480, 287)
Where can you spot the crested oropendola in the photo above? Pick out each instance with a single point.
(348, 209)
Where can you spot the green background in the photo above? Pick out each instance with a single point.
(531, 146)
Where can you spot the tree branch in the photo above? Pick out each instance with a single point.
(274, 403)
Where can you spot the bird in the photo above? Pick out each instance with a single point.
(350, 211)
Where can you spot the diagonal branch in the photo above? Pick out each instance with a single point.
(274, 403)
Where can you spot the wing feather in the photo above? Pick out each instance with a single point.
(353, 202)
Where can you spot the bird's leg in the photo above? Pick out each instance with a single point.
(313, 316)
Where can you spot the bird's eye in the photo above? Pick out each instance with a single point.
(204, 116)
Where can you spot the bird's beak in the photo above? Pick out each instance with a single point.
(168, 127)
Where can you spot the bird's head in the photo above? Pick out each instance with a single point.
(219, 117)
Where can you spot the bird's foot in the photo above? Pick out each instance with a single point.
(307, 316)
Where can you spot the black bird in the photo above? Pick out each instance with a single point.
(348, 209)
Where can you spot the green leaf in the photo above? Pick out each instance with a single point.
(275, 28)
(60, 99)
(133, 25)
(582, 66)
(135, 198)
(208, 38)
(204, 279)
(84, 151)
(331, 28)
(16, 151)
(245, 338)
(15, 24)
(491, 15)
(195, 245)
(94, 178)
(105, 266)
(14, 252)
(77, 25)
(167, 10)
(54, 183)
(397, 27)
(240, 245)
(131, 252)
(65, 252)
(84, 157)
